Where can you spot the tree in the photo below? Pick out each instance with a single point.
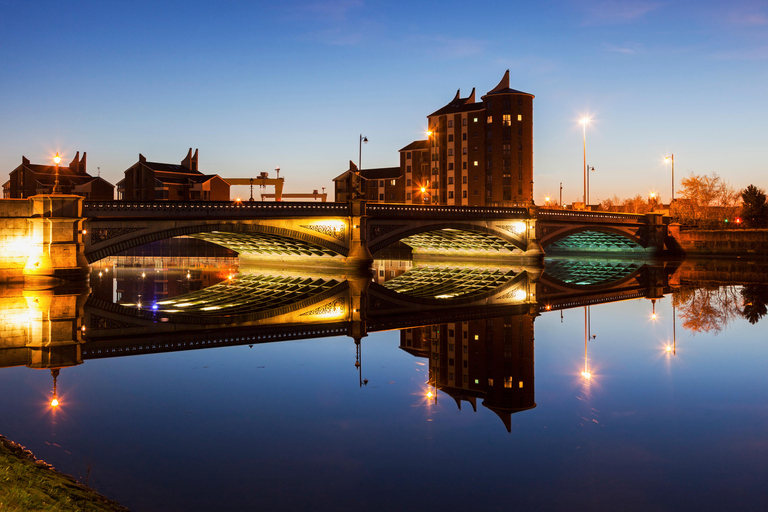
(754, 211)
(705, 201)
(755, 297)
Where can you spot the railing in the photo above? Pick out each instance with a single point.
(633, 218)
(411, 211)
(211, 209)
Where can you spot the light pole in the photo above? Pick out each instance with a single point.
(589, 169)
(584, 122)
(56, 160)
(561, 194)
(672, 160)
(360, 152)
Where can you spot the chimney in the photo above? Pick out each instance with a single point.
(142, 159)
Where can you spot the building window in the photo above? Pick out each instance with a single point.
(520, 173)
(450, 137)
(450, 194)
(474, 193)
(520, 187)
(392, 196)
(408, 168)
(490, 119)
(408, 182)
(381, 183)
(464, 150)
(507, 120)
(489, 178)
(393, 182)
(464, 194)
(475, 163)
(450, 151)
(408, 155)
(463, 165)
(408, 195)
(381, 273)
(381, 197)
(464, 180)
(450, 124)
(488, 193)
(450, 166)
(464, 122)
(463, 136)
(474, 120)
(450, 180)
(519, 117)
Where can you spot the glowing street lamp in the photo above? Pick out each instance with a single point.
(56, 160)
(584, 122)
(671, 159)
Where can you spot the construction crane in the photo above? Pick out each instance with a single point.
(323, 196)
(263, 180)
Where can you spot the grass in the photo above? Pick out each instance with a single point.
(28, 484)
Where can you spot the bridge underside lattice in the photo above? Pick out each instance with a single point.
(450, 240)
(587, 273)
(444, 283)
(595, 241)
(264, 244)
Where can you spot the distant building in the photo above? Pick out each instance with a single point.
(32, 179)
(154, 181)
(381, 185)
(477, 153)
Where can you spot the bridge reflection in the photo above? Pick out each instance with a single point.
(474, 325)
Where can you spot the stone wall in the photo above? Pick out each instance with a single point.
(749, 243)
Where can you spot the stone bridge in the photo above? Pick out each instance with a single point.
(58, 236)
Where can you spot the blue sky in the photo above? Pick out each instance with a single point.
(293, 84)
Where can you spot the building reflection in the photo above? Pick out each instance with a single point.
(490, 359)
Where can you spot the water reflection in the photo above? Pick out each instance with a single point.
(472, 325)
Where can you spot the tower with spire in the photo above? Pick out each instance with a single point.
(476, 152)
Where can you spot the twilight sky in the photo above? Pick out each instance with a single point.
(292, 84)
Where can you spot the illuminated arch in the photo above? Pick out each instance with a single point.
(485, 238)
(235, 236)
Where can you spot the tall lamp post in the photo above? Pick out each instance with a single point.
(672, 160)
(56, 160)
(584, 122)
(360, 152)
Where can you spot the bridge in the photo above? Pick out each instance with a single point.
(60, 235)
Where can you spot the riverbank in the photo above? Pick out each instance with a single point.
(719, 243)
(29, 484)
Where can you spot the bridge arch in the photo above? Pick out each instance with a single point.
(250, 237)
(450, 236)
(587, 238)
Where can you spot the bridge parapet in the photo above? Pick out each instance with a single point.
(411, 211)
(212, 209)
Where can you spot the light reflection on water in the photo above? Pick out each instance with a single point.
(290, 425)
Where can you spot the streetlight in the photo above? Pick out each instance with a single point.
(56, 160)
(360, 152)
(584, 122)
(672, 160)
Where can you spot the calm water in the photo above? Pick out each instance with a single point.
(674, 415)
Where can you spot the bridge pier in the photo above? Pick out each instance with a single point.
(55, 239)
(359, 256)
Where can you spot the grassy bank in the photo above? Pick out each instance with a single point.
(29, 484)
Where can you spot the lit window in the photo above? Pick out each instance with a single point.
(519, 117)
(507, 120)
(474, 120)
(392, 183)
(490, 119)
(520, 384)
(476, 163)
(477, 337)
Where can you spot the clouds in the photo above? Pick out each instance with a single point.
(612, 12)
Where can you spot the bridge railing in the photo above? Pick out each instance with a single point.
(211, 209)
(588, 216)
(414, 211)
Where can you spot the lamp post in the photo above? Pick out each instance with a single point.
(589, 169)
(360, 152)
(584, 122)
(56, 160)
(672, 160)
